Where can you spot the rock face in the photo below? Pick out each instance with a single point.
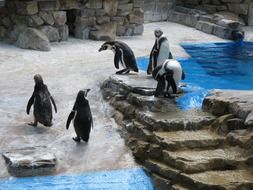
(30, 162)
(98, 20)
(33, 39)
(184, 149)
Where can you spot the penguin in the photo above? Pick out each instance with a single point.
(41, 100)
(81, 116)
(160, 51)
(123, 55)
(168, 76)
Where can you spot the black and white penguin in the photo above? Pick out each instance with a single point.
(41, 100)
(81, 116)
(123, 55)
(160, 51)
(168, 76)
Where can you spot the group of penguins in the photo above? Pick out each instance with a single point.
(164, 69)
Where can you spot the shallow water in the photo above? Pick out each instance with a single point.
(213, 66)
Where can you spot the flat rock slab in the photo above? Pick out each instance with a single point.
(229, 179)
(177, 120)
(239, 103)
(30, 162)
(183, 140)
(194, 161)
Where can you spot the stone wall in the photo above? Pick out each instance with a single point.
(54, 20)
(157, 10)
(239, 7)
(218, 17)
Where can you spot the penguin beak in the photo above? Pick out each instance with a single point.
(100, 49)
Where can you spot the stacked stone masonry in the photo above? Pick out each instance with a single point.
(217, 17)
(55, 20)
(185, 150)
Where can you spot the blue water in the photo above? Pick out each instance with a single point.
(125, 179)
(213, 66)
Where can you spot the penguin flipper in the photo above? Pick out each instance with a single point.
(70, 117)
(170, 56)
(117, 58)
(29, 104)
(53, 102)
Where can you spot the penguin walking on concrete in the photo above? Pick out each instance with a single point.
(122, 54)
(168, 76)
(41, 100)
(160, 51)
(81, 116)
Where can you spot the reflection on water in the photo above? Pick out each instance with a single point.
(213, 66)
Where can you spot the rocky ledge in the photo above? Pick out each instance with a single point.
(30, 162)
(194, 149)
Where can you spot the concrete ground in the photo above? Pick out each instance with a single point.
(68, 67)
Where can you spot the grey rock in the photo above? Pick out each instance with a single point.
(136, 16)
(30, 162)
(13, 35)
(47, 17)
(250, 17)
(49, 5)
(51, 33)
(110, 7)
(60, 17)
(239, 8)
(69, 4)
(26, 7)
(3, 32)
(95, 4)
(105, 32)
(124, 9)
(63, 32)
(33, 39)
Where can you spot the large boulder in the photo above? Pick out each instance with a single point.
(32, 38)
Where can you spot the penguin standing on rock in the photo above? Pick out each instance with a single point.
(123, 55)
(81, 116)
(41, 100)
(160, 51)
(168, 76)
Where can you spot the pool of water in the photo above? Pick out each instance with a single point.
(124, 179)
(213, 66)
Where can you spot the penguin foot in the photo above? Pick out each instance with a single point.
(77, 139)
(33, 124)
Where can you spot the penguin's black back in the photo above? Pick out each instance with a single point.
(128, 55)
(83, 118)
(42, 105)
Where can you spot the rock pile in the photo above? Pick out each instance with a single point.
(185, 149)
(55, 20)
(220, 17)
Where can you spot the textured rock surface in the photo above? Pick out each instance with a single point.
(184, 149)
(30, 162)
(33, 39)
(238, 103)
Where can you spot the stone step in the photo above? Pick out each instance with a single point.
(183, 140)
(195, 161)
(220, 180)
(213, 180)
(173, 121)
